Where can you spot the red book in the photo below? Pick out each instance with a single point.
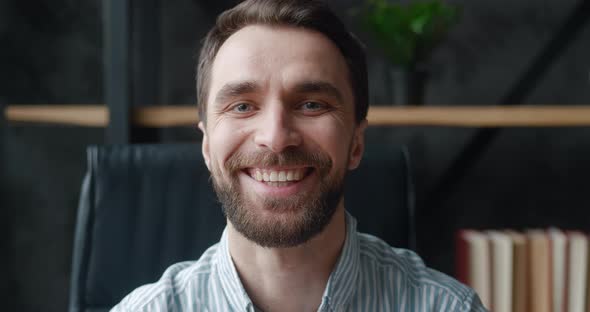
(462, 257)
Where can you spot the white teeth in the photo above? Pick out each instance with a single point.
(277, 176)
(282, 176)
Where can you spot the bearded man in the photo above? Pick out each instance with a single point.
(283, 96)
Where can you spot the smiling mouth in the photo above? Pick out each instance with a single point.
(278, 176)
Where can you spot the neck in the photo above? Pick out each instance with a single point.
(293, 278)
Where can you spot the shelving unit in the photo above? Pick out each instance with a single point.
(449, 116)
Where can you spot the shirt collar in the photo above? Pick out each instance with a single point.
(339, 289)
(230, 281)
(343, 279)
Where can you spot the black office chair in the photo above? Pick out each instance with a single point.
(145, 207)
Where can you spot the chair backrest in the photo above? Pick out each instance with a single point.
(145, 207)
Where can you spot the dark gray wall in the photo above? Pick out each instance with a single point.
(51, 53)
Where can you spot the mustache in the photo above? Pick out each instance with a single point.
(288, 157)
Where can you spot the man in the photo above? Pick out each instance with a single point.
(282, 91)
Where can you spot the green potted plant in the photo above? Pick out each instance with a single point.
(407, 33)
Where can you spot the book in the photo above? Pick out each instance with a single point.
(577, 266)
(501, 264)
(588, 281)
(478, 266)
(558, 241)
(519, 272)
(461, 257)
(539, 263)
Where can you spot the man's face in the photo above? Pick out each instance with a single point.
(280, 133)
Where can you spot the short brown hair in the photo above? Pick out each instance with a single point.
(309, 14)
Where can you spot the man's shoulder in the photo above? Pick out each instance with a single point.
(408, 269)
(177, 282)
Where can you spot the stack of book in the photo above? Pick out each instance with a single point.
(532, 271)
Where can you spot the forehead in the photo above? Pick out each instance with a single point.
(279, 56)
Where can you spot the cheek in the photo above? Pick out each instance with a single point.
(332, 138)
(224, 140)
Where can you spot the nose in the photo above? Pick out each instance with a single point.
(277, 130)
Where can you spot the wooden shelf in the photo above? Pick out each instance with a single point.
(481, 116)
(448, 116)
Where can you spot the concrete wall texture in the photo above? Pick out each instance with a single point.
(529, 177)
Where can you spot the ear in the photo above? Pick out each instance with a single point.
(358, 145)
(205, 145)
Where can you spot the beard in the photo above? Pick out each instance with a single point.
(302, 216)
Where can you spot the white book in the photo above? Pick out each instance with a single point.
(479, 265)
(577, 271)
(502, 255)
(558, 241)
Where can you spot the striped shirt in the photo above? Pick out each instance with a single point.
(369, 276)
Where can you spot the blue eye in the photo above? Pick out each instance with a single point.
(312, 106)
(242, 108)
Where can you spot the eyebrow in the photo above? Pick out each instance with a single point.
(235, 89)
(319, 87)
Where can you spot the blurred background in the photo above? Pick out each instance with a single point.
(53, 52)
